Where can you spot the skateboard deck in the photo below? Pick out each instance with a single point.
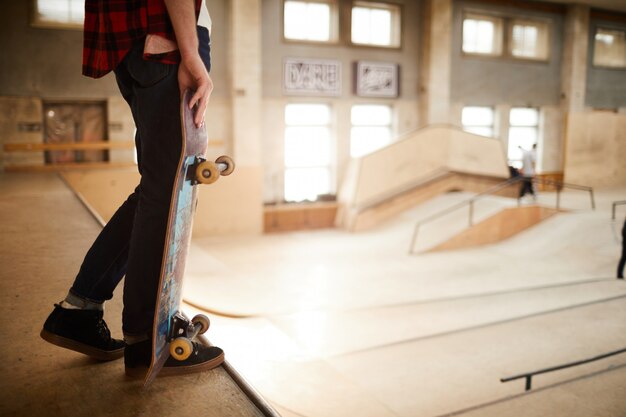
(169, 323)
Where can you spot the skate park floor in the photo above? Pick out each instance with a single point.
(330, 323)
(45, 232)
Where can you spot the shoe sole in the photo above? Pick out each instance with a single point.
(99, 354)
(140, 372)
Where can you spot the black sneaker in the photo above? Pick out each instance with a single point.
(137, 359)
(83, 331)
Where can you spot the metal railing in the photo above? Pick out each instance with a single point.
(529, 375)
(512, 181)
(614, 205)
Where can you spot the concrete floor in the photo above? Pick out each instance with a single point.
(335, 324)
(45, 232)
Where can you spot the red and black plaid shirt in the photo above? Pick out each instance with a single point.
(112, 26)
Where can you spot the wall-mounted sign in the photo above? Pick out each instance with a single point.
(376, 79)
(312, 77)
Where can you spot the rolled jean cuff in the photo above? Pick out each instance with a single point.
(83, 303)
(131, 339)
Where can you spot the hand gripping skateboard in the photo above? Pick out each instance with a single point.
(172, 331)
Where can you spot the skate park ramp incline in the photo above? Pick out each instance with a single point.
(418, 166)
(506, 223)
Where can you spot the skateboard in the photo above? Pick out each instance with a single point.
(172, 331)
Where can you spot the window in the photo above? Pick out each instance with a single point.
(376, 24)
(482, 35)
(478, 120)
(523, 132)
(371, 128)
(310, 21)
(529, 40)
(307, 151)
(609, 48)
(59, 13)
(526, 39)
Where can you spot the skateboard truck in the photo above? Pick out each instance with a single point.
(207, 172)
(183, 331)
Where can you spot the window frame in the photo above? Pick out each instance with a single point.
(468, 14)
(593, 51)
(391, 124)
(37, 22)
(508, 21)
(509, 40)
(493, 125)
(397, 18)
(335, 32)
(332, 157)
(516, 162)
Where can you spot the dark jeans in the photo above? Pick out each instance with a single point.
(527, 186)
(622, 260)
(132, 242)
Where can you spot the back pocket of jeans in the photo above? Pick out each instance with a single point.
(146, 73)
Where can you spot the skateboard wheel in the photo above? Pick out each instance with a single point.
(207, 172)
(203, 321)
(230, 164)
(181, 348)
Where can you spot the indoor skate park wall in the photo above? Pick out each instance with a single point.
(595, 149)
(595, 137)
(418, 166)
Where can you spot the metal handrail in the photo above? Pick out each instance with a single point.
(614, 205)
(470, 202)
(529, 375)
(560, 185)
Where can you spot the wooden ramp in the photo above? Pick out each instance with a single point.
(503, 225)
(45, 234)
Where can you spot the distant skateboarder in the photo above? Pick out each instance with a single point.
(529, 158)
(622, 260)
(157, 49)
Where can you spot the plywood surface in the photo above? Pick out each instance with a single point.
(498, 227)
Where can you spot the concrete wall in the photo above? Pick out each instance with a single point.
(43, 62)
(489, 81)
(606, 87)
(596, 149)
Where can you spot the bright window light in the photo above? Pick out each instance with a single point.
(482, 35)
(529, 40)
(307, 20)
(478, 120)
(306, 183)
(307, 114)
(60, 12)
(376, 24)
(523, 131)
(523, 116)
(308, 147)
(610, 48)
(371, 128)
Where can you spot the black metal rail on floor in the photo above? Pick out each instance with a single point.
(529, 375)
(614, 206)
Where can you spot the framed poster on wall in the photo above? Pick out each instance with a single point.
(319, 77)
(376, 79)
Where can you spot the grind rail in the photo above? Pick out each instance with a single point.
(614, 206)
(558, 185)
(529, 375)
